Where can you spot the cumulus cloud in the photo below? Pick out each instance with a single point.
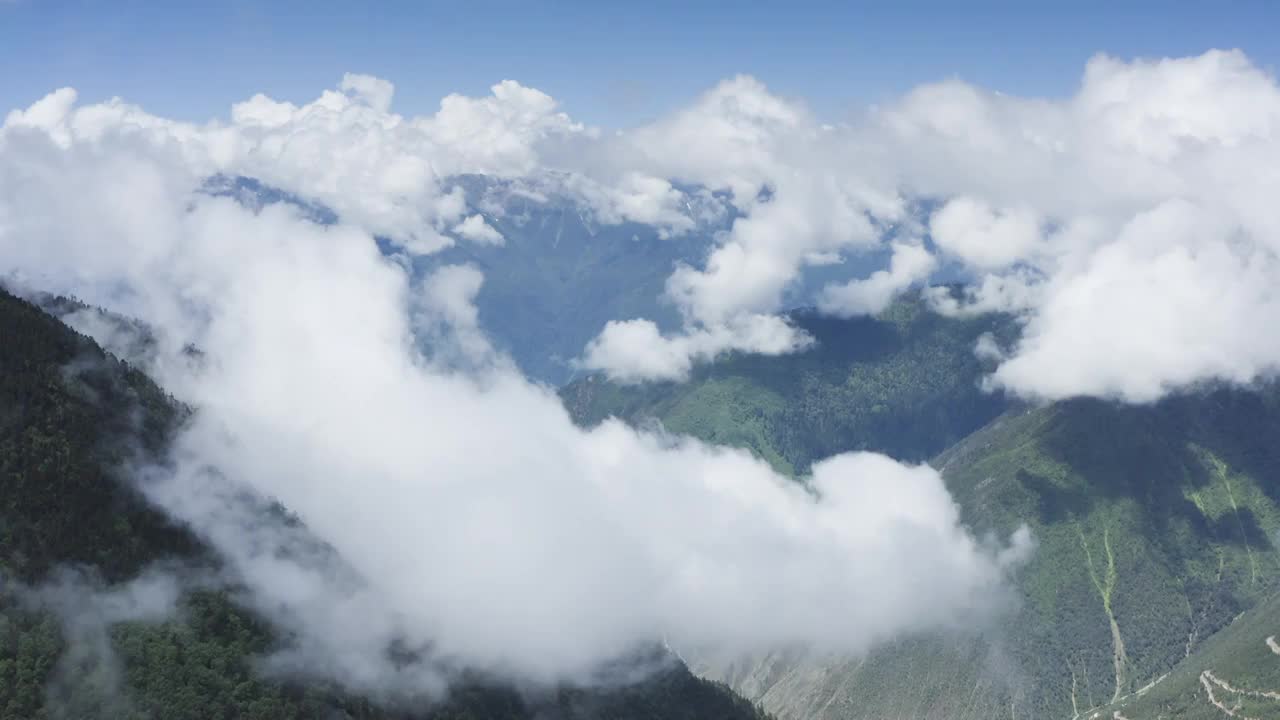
(1154, 264)
(798, 204)
(645, 199)
(908, 265)
(498, 134)
(632, 351)
(1016, 291)
(475, 228)
(730, 137)
(982, 237)
(46, 112)
(383, 172)
(1032, 197)
(1050, 208)
(374, 92)
(1178, 297)
(479, 527)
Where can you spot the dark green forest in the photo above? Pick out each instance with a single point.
(71, 418)
(905, 383)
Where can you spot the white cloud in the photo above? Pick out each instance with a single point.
(345, 149)
(986, 348)
(46, 113)
(766, 250)
(909, 264)
(799, 201)
(1015, 291)
(729, 138)
(1156, 265)
(374, 92)
(1035, 194)
(446, 319)
(455, 489)
(1040, 199)
(1173, 300)
(1032, 194)
(982, 237)
(635, 197)
(632, 351)
(495, 135)
(475, 228)
(1163, 109)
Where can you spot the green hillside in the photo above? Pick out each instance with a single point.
(70, 414)
(1156, 528)
(905, 382)
(1156, 525)
(1240, 666)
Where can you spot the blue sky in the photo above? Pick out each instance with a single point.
(610, 64)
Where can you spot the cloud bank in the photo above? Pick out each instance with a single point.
(470, 521)
(1129, 224)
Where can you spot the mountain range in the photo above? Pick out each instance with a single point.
(1153, 590)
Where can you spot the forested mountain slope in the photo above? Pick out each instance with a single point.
(70, 415)
(905, 383)
(1235, 673)
(1156, 524)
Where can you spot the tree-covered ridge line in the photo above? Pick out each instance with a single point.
(71, 417)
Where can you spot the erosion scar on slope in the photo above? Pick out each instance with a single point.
(1106, 585)
(1209, 681)
(1223, 473)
